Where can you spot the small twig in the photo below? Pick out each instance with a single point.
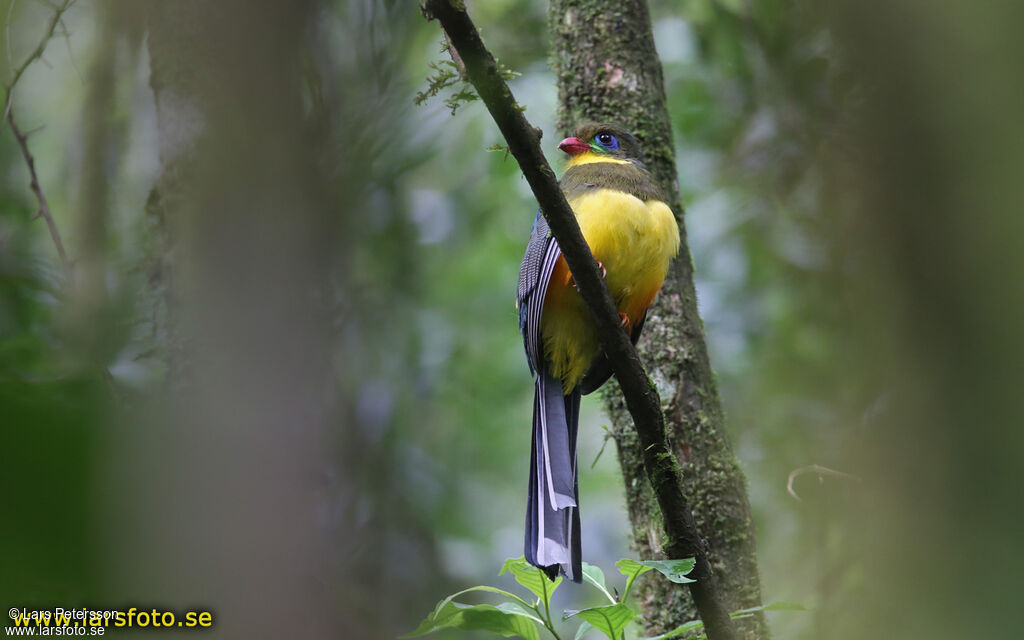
(22, 138)
(821, 471)
(607, 436)
(44, 206)
(36, 53)
(7, 32)
(71, 54)
(32, 132)
(454, 53)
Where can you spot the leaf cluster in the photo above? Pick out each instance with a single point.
(519, 617)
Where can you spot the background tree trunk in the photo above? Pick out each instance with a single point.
(240, 449)
(608, 70)
(275, 300)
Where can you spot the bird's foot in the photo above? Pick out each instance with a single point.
(600, 265)
(626, 322)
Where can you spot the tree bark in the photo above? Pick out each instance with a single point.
(608, 70)
(180, 40)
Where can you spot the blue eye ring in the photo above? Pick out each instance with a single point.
(607, 140)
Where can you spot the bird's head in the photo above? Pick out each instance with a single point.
(602, 139)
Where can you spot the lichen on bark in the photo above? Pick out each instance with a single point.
(608, 70)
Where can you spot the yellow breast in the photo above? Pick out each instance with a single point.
(634, 240)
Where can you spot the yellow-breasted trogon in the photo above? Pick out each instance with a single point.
(633, 235)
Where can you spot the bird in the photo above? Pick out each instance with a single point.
(633, 235)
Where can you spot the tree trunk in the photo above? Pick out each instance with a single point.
(237, 456)
(608, 70)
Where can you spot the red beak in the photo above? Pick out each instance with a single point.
(573, 146)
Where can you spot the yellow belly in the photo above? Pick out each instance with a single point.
(635, 240)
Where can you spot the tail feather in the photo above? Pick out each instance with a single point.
(552, 514)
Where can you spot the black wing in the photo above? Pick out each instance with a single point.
(542, 253)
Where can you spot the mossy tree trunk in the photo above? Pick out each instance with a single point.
(608, 70)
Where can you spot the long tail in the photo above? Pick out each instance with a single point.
(552, 513)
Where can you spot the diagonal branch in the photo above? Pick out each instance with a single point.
(641, 397)
(22, 138)
(37, 53)
(44, 206)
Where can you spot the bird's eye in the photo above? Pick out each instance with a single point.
(607, 140)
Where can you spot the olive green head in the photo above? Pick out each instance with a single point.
(602, 139)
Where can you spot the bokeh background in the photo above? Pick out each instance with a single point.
(327, 431)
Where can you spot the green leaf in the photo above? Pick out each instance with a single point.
(632, 570)
(674, 570)
(517, 609)
(610, 619)
(583, 629)
(595, 576)
(532, 578)
(446, 613)
(500, 620)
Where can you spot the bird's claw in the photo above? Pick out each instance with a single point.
(600, 265)
(626, 322)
